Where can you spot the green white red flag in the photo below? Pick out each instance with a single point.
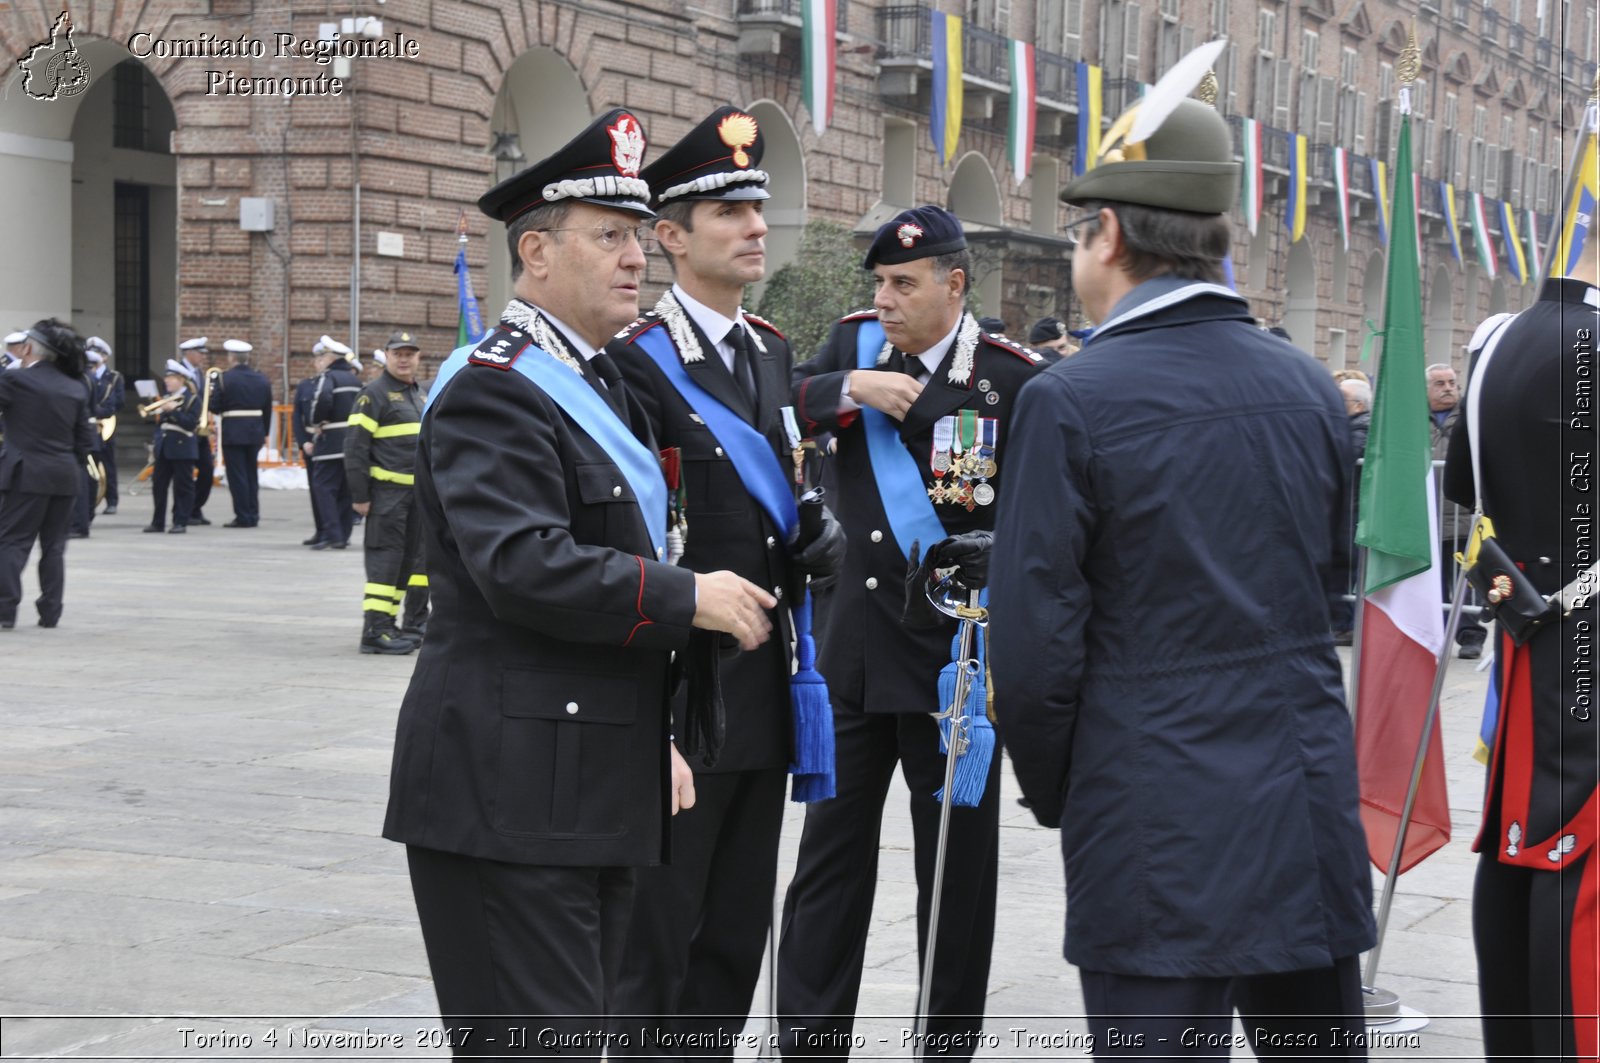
(819, 58)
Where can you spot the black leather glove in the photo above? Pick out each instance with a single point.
(967, 552)
(823, 557)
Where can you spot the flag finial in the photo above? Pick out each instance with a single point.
(1410, 63)
(1207, 92)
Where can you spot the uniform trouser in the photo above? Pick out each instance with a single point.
(828, 909)
(1538, 958)
(700, 923)
(1309, 1014)
(392, 549)
(335, 518)
(180, 475)
(521, 947)
(244, 483)
(207, 473)
(83, 503)
(25, 516)
(108, 455)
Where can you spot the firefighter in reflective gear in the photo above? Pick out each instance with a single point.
(380, 451)
(331, 402)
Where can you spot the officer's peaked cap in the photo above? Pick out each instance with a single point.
(401, 338)
(921, 232)
(600, 165)
(719, 159)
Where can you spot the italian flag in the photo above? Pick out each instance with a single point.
(1341, 181)
(1251, 185)
(1480, 235)
(819, 57)
(1402, 630)
(1024, 111)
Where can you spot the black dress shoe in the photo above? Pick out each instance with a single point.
(341, 544)
(154, 528)
(198, 520)
(7, 625)
(313, 541)
(49, 623)
(109, 511)
(77, 535)
(1470, 651)
(322, 544)
(177, 530)
(236, 523)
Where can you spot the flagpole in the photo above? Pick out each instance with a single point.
(1355, 628)
(1591, 120)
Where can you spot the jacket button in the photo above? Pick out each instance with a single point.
(877, 536)
(719, 452)
(777, 592)
(572, 708)
(771, 542)
(616, 492)
(872, 583)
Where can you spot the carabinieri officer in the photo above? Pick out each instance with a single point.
(533, 770)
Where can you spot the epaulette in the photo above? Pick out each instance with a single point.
(1011, 346)
(861, 315)
(764, 323)
(501, 348)
(638, 326)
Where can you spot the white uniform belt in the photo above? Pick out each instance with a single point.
(341, 391)
(329, 457)
(334, 424)
(241, 413)
(175, 428)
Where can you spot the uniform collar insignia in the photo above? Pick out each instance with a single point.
(545, 336)
(965, 346)
(680, 328)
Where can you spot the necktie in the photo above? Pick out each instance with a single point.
(743, 371)
(611, 378)
(915, 369)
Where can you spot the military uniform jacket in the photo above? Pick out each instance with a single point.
(726, 527)
(245, 401)
(381, 444)
(1164, 676)
(535, 727)
(867, 655)
(304, 393)
(105, 394)
(175, 438)
(47, 431)
(331, 402)
(1537, 419)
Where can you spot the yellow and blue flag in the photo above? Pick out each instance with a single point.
(1295, 209)
(1578, 223)
(1515, 260)
(947, 85)
(1090, 78)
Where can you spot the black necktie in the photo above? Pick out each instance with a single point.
(742, 369)
(608, 373)
(915, 369)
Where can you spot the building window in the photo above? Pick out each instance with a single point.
(130, 121)
(1266, 31)
(994, 15)
(1060, 27)
(131, 268)
(899, 162)
(1308, 51)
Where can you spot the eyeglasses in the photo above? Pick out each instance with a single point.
(611, 237)
(1071, 234)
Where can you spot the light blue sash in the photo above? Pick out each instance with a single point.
(905, 497)
(749, 450)
(599, 422)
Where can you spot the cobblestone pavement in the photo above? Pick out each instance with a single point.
(195, 768)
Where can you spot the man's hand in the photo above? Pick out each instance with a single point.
(890, 393)
(307, 448)
(361, 507)
(823, 557)
(732, 604)
(682, 782)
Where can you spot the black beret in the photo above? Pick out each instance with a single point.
(600, 165)
(1046, 329)
(921, 232)
(718, 159)
(991, 324)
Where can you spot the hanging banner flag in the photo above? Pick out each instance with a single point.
(1341, 183)
(947, 85)
(469, 321)
(1294, 214)
(1578, 223)
(1447, 196)
(1480, 235)
(1090, 78)
(819, 58)
(1515, 260)
(1402, 629)
(1251, 183)
(1024, 111)
(1380, 197)
(1535, 254)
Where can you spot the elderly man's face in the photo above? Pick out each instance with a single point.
(1442, 391)
(587, 274)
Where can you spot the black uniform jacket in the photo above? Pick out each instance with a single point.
(867, 655)
(331, 402)
(175, 438)
(1164, 675)
(381, 444)
(105, 394)
(1539, 487)
(245, 402)
(726, 527)
(304, 393)
(535, 727)
(47, 431)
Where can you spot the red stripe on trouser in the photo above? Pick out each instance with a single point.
(1583, 958)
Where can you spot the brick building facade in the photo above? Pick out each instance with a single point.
(146, 167)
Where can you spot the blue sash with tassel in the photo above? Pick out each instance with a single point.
(599, 422)
(763, 477)
(900, 487)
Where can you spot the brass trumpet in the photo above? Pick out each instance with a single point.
(213, 376)
(161, 405)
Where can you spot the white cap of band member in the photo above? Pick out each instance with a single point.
(196, 344)
(94, 356)
(328, 345)
(177, 368)
(95, 343)
(16, 337)
(236, 347)
(381, 358)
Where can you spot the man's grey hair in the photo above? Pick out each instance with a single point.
(1358, 392)
(544, 216)
(239, 357)
(1437, 367)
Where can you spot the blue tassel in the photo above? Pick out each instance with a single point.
(813, 717)
(972, 766)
